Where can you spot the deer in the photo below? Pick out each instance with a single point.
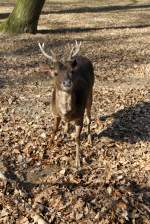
(72, 95)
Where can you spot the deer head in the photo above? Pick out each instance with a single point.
(63, 72)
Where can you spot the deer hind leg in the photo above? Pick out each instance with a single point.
(88, 117)
(79, 125)
(55, 129)
(66, 128)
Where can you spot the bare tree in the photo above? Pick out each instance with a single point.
(24, 18)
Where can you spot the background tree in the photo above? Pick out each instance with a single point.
(24, 18)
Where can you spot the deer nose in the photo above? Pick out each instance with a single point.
(67, 83)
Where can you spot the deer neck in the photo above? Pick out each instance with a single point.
(64, 102)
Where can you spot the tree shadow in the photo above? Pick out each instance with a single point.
(33, 48)
(4, 15)
(89, 29)
(33, 78)
(131, 124)
(68, 30)
(3, 82)
(102, 9)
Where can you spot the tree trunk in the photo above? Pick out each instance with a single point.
(24, 18)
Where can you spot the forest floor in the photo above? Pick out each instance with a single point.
(38, 183)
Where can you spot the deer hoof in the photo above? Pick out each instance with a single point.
(51, 142)
(73, 136)
(89, 142)
(78, 164)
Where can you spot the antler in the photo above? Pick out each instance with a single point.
(75, 50)
(52, 57)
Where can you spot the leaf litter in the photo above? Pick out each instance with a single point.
(38, 183)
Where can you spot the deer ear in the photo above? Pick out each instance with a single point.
(44, 68)
(73, 63)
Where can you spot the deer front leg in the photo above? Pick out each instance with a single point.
(79, 125)
(88, 117)
(66, 128)
(55, 129)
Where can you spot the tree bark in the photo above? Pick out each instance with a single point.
(24, 18)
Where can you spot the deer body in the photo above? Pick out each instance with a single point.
(71, 105)
(72, 95)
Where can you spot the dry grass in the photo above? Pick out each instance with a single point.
(114, 186)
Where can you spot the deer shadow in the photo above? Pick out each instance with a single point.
(131, 124)
(21, 182)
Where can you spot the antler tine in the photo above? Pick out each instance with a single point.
(53, 54)
(75, 50)
(51, 57)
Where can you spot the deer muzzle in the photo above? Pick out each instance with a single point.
(67, 85)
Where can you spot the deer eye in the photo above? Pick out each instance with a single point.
(55, 73)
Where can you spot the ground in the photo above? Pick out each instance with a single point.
(38, 182)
